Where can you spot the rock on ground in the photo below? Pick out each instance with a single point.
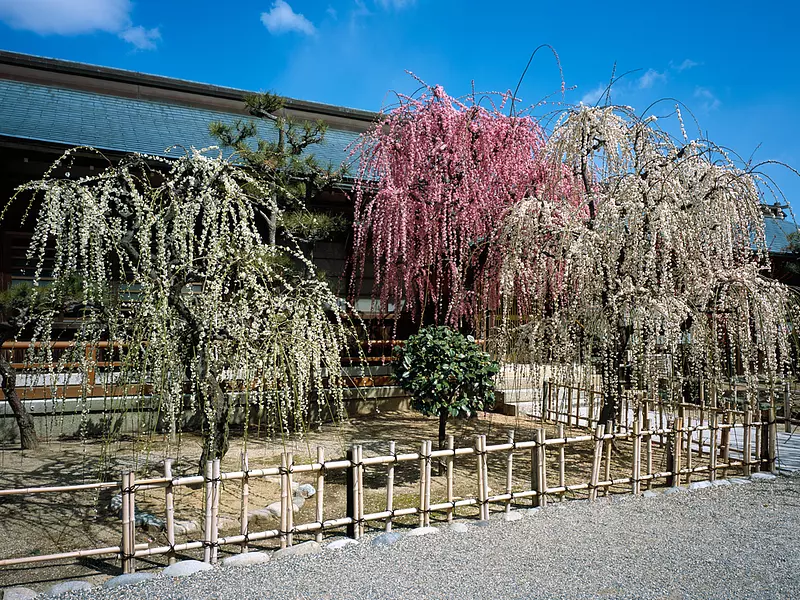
(299, 550)
(127, 579)
(19, 593)
(69, 586)
(245, 559)
(186, 567)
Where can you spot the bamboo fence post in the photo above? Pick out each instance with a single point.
(747, 450)
(450, 464)
(169, 500)
(479, 463)
(608, 449)
(244, 514)
(713, 448)
(285, 501)
(510, 469)
(216, 484)
(689, 452)
(319, 508)
(661, 423)
(787, 408)
(648, 449)
(422, 486)
(678, 450)
(360, 491)
(209, 475)
(757, 450)
(701, 432)
(725, 441)
(569, 407)
(428, 466)
(290, 505)
(485, 461)
(769, 434)
(541, 467)
(597, 457)
(351, 493)
(390, 486)
(125, 550)
(637, 457)
(562, 463)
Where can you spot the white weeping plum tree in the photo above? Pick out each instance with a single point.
(660, 278)
(179, 277)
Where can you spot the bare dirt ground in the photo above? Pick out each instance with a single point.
(49, 523)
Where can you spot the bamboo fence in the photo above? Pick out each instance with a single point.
(683, 440)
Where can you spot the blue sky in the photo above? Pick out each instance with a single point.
(735, 64)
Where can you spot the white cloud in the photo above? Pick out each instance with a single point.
(76, 17)
(591, 97)
(281, 19)
(709, 100)
(396, 4)
(650, 78)
(686, 64)
(332, 12)
(143, 39)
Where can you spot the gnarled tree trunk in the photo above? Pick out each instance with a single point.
(8, 381)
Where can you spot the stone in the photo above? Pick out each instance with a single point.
(185, 527)
(459, 527)
(186, 567)
(650, 494)
(763, 476)
(305, 491)
(19, 593)
(127, 579)
(303, 549)
(339, 544)
(674, 490)
(481, 523)
(68, 586)
(512, 516)
(530, 511)
(420, 531)
(245, 559)
(386, 539)
(740, 481)
(720, 482)
(699, 485)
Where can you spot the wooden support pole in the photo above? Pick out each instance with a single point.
(569, 407)
(725, 442)
(592, 420)
(510, 469)
(689, 451)
(541, 466)
(126, 544)
(286, 501)
(787, 407)
(608, 448)
(290, 507)
(169, 501)
(545, 396)
(390, 486)
(351, 493)
(485, 460)
(482, 493)
(209, 475)
(701, 432)
(769, 435)
(423, 472)
(597, 459)
(677, 452)
(648, 450)
(215, 493)
(244, 514)
(713, 448)
(450, 467)
(428, 476)
(747, 449)
(562, 463)
(637, 457)
(319, 512)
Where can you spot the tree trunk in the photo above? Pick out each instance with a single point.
(8, 381)
(216, 428)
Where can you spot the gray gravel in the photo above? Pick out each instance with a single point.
(737, 541)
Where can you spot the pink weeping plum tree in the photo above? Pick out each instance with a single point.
(436, 178)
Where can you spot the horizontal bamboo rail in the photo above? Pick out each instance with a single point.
(680, 469)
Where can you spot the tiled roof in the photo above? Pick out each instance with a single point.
(777, 232)
(78, 118)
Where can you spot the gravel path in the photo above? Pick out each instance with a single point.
(738, 541)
